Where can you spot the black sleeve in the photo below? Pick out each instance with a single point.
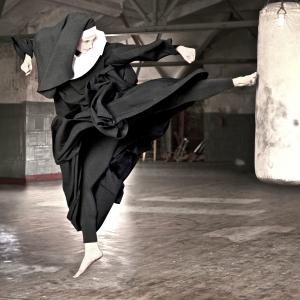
(23, 46)
(124, 54)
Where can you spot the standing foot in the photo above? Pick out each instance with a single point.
(247, 80)
(92, 254)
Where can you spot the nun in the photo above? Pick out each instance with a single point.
(104, 120)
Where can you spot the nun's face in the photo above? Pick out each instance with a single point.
(86, 43)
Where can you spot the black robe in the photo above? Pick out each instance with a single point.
(109, 100)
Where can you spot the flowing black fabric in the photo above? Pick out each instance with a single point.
(123, 117)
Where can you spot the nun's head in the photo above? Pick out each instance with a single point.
(88, 37)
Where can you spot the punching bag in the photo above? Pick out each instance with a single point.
(277, 138)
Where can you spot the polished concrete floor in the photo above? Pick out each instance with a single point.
(182, 231)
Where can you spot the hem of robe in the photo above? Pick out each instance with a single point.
(109, 185)
(110, 119)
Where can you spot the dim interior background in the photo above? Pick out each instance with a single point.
(219, 130)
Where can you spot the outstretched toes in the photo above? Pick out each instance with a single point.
(251, 79)
(248, 80)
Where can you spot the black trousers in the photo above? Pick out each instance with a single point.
(94, 158)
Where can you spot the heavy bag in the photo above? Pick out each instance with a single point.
(277, 136)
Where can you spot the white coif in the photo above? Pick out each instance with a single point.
(277, 139)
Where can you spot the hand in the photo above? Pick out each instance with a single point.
(26, 66)
(188, 54)
(247, 80)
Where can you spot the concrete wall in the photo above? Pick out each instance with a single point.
(230, 138)
(26, 145)
(236, 44)
(228, 118)
(25, 136)
(202, 121)
(15, 86)
(39, 157)
(235, 105)
(12, 140)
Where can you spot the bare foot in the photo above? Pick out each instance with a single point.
(92, 254)
(247, 80)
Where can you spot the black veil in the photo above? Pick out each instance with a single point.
(54, 48)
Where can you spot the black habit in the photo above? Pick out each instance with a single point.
(107, 106)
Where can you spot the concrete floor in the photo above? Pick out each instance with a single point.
(182, 231)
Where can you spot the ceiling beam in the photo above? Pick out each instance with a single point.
(2, 3)
(154, 12)
(190, 8)
(167, 28)
(174, 11)
(135, 38)
(168, 11)
(9, 4)
(140, 10)
(130, 13)
(147, 21)
(112, 9)
(211, 37)
(240, 17)
(138, 41)
(182, 27)
(213, 61)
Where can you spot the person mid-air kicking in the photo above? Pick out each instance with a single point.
(104, 119)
